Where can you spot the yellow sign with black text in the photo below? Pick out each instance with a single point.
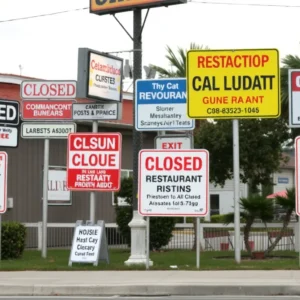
(233, 84)
(102, 7)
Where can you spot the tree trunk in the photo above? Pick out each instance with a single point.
(286, 222)
(247, 229)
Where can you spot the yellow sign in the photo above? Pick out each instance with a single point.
(227, 84)
(102, 7)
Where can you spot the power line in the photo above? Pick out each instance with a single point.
(44, 15)
(244, 4)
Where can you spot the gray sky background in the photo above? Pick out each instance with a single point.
(47, 47)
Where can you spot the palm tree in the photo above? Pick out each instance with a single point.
(252, 207)
(287, 203)
(177, 61)
(178, 70)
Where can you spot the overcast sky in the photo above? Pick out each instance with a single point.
(46, 47)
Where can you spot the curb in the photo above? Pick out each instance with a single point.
(148, 290)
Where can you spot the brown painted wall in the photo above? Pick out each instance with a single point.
(25, 165)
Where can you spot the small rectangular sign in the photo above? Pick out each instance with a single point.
(39, 130)
(44, 89)
(294, 98)
(9, 137)
(95, 111)
(173, 182)
(3, 182)
(161, 105)
(9, 112)
(173, 142)
(94, 161)
(47, 110)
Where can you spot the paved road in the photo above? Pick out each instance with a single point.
(159, 298)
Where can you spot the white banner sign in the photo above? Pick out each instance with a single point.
(105, 77)
(3, 182)
(8, 137)
(47, 131)
(171, 142)
(58, 194)
(173, 183)
(86, 244)
(95, 111)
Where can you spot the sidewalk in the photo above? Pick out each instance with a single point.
(189, 283)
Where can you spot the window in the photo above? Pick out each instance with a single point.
(121, 201)
(214, 204)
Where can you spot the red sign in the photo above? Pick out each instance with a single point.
(94, 161)
(40, 89)
(47, 110)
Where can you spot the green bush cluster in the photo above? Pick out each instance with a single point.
(13, 235)
(160, 227)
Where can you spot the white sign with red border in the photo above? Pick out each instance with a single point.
(3, 182)
(41, 89)
(173, 182)
(9, 137)
(173, 142)
(94, 161)
(297, 174)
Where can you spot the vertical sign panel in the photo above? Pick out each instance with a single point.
(3, 182)
(297, 174)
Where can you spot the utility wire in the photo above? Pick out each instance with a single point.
(44, 15)
(243, 4)
(193, 1)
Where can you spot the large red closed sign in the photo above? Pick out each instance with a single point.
(94, 161)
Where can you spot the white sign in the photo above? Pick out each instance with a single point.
(58, 194)
(172, 142)
(160, 104)
(294, 98)
(95, 111)
(86, 244)
(297, 174)
(41, 89)
(3, 182)
(47, 131)
(8, 137)
(173, 182)
(105, 77)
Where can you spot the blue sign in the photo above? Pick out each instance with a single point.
(160, 104)
(283, 180)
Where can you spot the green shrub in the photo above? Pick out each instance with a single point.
(217, 219)
(160, 227)
(13, 237)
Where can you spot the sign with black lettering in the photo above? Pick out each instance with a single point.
(39, 130)
(89, 244)
(9, 112)
(95, 111)
(227, 84)
(294, 98)
(173, 182)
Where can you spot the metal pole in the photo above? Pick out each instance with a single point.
(298, 238)
(93, 194)
(137, 138)
(148, 243)
(236, 175)
(198, 243)
(45, 197)
(0, 237)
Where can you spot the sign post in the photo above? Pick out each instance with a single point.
(49, 101)
(297, 185)
(233, 84)
(3, 190)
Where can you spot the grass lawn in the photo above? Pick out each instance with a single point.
(57, 260)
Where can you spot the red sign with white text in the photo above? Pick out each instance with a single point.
(47, 110)
(42, 89)
(94, 162)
